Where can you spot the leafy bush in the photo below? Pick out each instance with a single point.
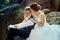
(46, 11)
(16, 16)
(53, 18)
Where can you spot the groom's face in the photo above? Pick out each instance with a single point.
(27, 12)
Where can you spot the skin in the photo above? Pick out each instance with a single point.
(37, 13)
(26, 14)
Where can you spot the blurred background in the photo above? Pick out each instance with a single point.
(11, 12)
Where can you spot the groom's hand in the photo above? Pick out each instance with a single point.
(8, 28)
(15, 25)
(32, 20)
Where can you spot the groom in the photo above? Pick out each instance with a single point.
(22, 32)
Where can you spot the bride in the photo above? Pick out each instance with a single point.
(42, 30)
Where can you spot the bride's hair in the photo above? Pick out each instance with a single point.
(35, 6)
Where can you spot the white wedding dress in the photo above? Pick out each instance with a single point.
(45, 32)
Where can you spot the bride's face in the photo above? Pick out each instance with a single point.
(32, 11)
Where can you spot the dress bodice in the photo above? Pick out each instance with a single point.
(37, 18)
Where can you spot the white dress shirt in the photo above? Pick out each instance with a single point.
(24, 23)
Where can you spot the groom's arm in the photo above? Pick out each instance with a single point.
(25, 24)
(22, 24)
(15, 25)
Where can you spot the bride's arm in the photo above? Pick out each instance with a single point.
(41, 23)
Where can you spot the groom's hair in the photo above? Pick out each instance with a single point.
(27, 8)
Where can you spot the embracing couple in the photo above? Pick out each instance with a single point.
(34, 26)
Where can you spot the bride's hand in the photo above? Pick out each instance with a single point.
(38, 23)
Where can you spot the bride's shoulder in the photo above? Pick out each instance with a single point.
(42, 13)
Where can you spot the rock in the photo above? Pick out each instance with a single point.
(46, 11)
(53, 18)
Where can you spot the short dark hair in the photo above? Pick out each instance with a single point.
(35, 6)
(27, 9)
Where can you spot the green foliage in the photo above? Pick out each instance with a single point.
(16, 16)
(53, 17)
(46, 11)
(6, 1)
(57, 2)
